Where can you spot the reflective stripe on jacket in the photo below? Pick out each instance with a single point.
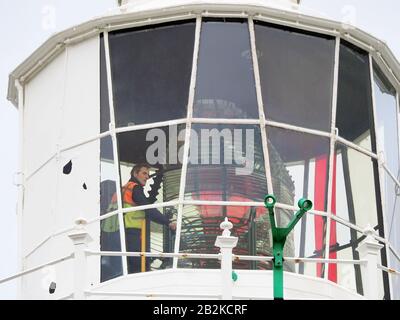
(132, 219)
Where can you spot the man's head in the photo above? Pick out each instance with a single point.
(141, 173)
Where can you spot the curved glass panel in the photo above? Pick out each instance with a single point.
(110, 240)
(226, 163)
(387, 135)
(104, 104)
(354, 180)
(151, 69)
(299, 166)
(354, 116)
(296, 73)
(282, 219)
(159, 149)
(107, 171)
(395, 264)
(356, 193)
(310, 242)
(343, 245)
(392, 204)
(225, 86)
(201, 226)
(152, 237)
(386, 122)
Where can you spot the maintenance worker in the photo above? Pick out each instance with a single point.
(135, 221)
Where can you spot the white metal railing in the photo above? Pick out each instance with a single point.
(218, 256)
(175, 203)
(28, 271)
(369, 251)
(154, 255)
(389, 270)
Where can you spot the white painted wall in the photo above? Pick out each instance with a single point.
(62, 108)
(39, 207)
(43, 101)
(80, 108)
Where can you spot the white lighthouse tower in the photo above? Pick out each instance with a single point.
(225, 101)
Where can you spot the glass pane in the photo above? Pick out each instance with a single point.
(161, 149)
(104, 104)
(392, 202)
(296, 72)
(226, 164)
(309, 237)
(354, 96)
(355, 188)
(201, 226)
(395, 264)
(151, 69)
(299, 166)
(387, 131)
(110, 240)
(386, 114)
(392, 209)
(356, 196)
(150, 168)
(225, 86)
(343, 245)
(108, 201)
(282, 219)
(159, 238)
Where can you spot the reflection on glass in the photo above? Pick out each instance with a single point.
(386, 114)
(392, 204)
(309, 241)
(296, 73)
(107, 171)
(299, 169)
(226, 163)
(282, 219)
(151, 69)
(201, 226)
(104, 105)
(225, 86)
(299, 166)
(343, 245)
(150, 167)
(395, 264)
(354, 105)
(354, 198)
(392, 199)
(159, 148)
(152, 236)
(110, 240)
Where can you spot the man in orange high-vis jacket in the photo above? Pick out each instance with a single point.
(135, 221)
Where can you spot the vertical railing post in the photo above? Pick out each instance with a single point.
(80, 238)
(226, 243)
(369, 250)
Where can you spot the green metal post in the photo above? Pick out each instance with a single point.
(279, 236)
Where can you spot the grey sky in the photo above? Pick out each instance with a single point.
(24, 25)
(378, 17)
